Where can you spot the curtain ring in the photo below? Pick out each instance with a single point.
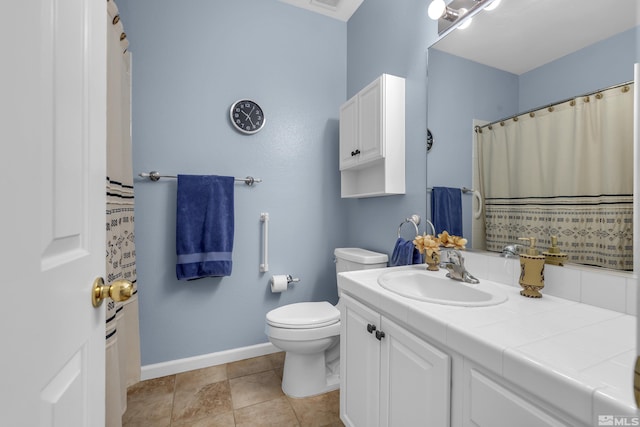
(515, 119)
(573, 103)
(625, 89)
(551, 109)
(586, 99)
(490, 127)
(123, 36)
(532, 114)
(116, 19)
(599, 95)
(501, 123)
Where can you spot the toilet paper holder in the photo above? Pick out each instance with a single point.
(291, 279)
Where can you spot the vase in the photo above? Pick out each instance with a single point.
(433, 261)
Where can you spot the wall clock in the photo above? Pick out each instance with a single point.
(247, 116)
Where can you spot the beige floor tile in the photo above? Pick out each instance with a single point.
(157, 387)
(276, 413)
(222, 420)
(149, 403)
(317, 411)
(194, 380)
(209, 400)
(154, 412)
(277, 359)
(256, 388)
(249, 366)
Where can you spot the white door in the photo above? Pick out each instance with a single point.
(52, 166)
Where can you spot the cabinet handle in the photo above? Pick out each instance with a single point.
(357, 151)
(371, 328)
(353, 153)
(380, 335)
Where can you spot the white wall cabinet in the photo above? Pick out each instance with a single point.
(389, 377)
(372, 140)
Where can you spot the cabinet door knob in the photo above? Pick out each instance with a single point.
(371, 328)
(380, 335)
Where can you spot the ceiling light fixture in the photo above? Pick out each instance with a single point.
(457, 13)
(493, 5)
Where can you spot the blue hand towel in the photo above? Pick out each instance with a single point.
(204, 226)
(405, 253)
(446, 210)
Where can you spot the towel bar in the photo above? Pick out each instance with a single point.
(155, 176)
(415, 220)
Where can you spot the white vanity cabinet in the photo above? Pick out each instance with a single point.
(489, 402)
(372, 139)
(389, 377)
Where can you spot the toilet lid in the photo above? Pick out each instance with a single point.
(304, 315)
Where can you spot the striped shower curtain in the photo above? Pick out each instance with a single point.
(564, 170)
(122, 328)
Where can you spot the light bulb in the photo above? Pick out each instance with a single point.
(436, 9)
(465, 24)
(493, 5)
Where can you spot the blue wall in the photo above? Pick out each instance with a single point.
(460, 91)
(392, 37)
(191, 61)
(606, 63)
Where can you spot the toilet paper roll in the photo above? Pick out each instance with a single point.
(279, 283)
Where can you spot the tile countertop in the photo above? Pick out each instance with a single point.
(575, 356)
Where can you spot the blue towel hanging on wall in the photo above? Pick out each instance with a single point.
(446, 210)
(204, 226)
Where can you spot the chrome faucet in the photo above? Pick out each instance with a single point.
(456, 268)
(510, 251)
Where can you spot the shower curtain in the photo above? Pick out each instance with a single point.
(122, 326)
(564, 170)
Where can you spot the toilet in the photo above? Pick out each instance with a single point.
(309, 333)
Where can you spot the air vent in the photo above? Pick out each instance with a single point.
(330, 4)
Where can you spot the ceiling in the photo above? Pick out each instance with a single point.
(525, 34)
(338, 9)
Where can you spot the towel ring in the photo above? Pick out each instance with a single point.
(408, 220)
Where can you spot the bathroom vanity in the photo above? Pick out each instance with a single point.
(525, 362)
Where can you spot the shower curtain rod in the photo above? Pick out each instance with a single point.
(479, 128)
(155, 176)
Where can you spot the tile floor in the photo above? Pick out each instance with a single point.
(243, 393)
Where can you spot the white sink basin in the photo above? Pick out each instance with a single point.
(431, 287)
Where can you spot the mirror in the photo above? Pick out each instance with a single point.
(518, 57)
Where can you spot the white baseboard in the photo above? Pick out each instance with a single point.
(173, 367)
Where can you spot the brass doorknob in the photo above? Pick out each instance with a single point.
(120, 290)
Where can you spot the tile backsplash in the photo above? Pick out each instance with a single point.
(598, 287)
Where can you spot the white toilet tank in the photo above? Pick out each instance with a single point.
(351, 259)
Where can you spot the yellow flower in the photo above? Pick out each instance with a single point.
(430, 244)
(427, 243)
(450, 241)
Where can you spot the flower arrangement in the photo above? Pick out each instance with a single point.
(430, 246)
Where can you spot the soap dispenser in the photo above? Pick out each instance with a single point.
(531, 270)
(553, 255)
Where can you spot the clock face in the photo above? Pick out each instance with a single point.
(247, 116)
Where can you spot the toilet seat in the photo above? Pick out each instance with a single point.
(304, 315)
